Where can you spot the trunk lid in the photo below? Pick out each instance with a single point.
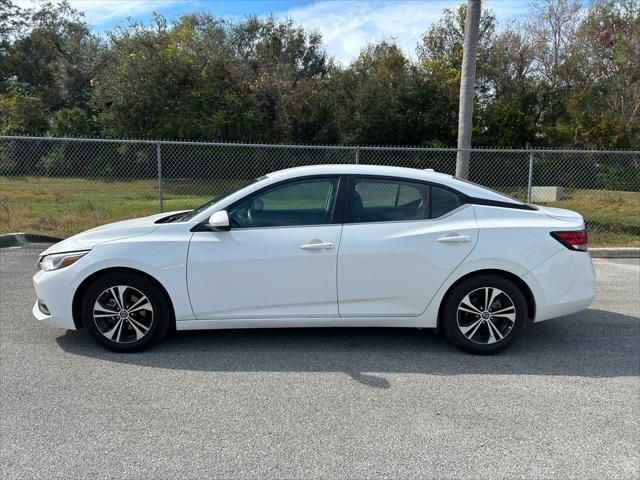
(562, 214)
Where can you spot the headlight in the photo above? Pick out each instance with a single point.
(56, 261)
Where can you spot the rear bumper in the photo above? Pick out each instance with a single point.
(564, 284)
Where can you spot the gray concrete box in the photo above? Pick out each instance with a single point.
(546, 194)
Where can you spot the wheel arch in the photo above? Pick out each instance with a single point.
(518, 281)
(84, 285)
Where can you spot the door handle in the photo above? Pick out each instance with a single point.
(317, 245)
(455, 239)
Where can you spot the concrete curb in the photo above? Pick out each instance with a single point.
(615, 252)
(18, 239)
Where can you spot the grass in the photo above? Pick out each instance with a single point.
(619, 208)
(64, 206)
(613, 218)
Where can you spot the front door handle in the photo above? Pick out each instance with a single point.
(455, 239)
(317, 245)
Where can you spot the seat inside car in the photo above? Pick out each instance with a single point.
(358, 207)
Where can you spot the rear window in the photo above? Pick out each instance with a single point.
(503, 195)
(386, 200)
(443, 201)
(382, 200)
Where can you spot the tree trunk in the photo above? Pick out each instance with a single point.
(467, 84)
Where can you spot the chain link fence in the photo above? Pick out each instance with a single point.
(60, 186)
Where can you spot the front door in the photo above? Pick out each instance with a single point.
(278, 260)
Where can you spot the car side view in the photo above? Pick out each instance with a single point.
(325, 246)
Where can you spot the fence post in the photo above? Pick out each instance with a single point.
(530, 183)
(357, 155)
(159, 158)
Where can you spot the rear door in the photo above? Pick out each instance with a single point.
(400, 242)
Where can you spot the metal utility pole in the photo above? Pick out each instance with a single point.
(467, 85)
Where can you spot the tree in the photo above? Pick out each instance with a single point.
(53, 55)
(508, 66)
(383, 98)
(442, 45)
(12, 22)
(205, 77)
(70, 122)
(281, 73)
(568, 76)
(467, 87)
(507, 116)
(21, 114)
(604, 106)
(161, 81)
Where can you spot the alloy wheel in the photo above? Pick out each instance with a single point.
(486, 315)
(123, 314)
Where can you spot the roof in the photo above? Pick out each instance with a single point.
(429, 175)
(358, 169)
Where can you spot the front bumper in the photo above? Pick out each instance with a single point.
(55, 289)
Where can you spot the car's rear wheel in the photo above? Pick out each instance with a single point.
(125, 312)
(484, 314)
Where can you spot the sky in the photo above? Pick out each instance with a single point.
(346, 25)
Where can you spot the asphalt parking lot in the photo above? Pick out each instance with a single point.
(352, 403)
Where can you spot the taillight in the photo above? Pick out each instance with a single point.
(576, 240)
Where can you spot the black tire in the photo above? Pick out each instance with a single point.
(484, 336)
(145, 325)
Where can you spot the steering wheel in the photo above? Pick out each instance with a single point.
(240, 218)
(234, 222)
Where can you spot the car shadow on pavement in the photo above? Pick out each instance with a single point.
(594, 343)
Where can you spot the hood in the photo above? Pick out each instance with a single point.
(108, 233)
(561, 214)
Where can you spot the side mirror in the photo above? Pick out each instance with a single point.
(219, 221)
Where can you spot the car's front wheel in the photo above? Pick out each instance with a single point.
(125, 312)
(484, 314)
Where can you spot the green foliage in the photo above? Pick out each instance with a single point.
(441, 46)
(21, 113)
(508, 121)
(52, 55)
(606, 105)
(69, 122)
(615, 174)
(567, 77)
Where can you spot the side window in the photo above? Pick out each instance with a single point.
(443, 201)
(389, 200)
(305, 202)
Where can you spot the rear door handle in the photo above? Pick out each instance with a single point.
(317, 245)
(455, 239)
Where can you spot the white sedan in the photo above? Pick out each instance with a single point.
(325, 246)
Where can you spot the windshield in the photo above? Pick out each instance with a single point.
(193, 213)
